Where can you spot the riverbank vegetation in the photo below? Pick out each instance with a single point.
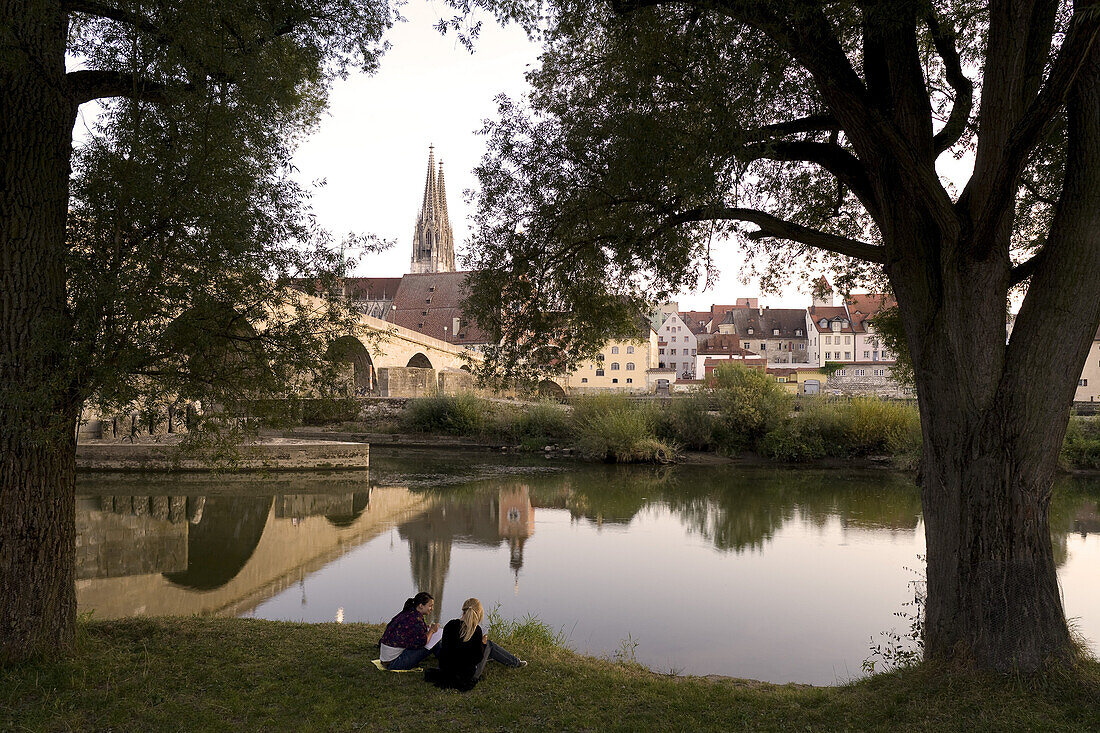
(740, 411)
(212, 674)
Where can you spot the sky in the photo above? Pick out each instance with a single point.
(372, 147)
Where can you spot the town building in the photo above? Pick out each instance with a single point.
(1088, 384)
(627, 364)
(724, 347)
(431, 303)
(677, 347)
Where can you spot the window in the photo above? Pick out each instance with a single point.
(880, 372)
(781, 380)
(629, 380)
(673, 338)
(672, 352)
(866, 354)
(599, 372)
(746, 344)
(763, 347)
(431, 288)
(860, 372)
(672, 365)
(614, 381)
(428, 299)
(802, 347)
(828, 355)
(614, 349)
(847, 355)
(614, 366)
(798, 332)
(1082, 382)
(828, 339)
(630, 366)
(661, 365)
(694, 351)
(775, 332)
(420, 325)
(750, 332)
(840, 372)
(661, 351)
(584, 380)
(630, 349)
(423, 313)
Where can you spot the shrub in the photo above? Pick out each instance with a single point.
(612, 428)
(788, 442)
(688, 422)
(542, 420)
(460, 414)
(861, 426)
(750, 404)
(1081, 447)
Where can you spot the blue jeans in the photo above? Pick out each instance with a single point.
(411, 658)
(497, 653)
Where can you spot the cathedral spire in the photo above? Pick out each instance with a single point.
(433, 242)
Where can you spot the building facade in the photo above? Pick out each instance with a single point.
(677, 347)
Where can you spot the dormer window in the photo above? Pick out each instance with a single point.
(775, 332)
(431, 288)
(750, 331)
(824, 323)
(428, 299)
(798, 332)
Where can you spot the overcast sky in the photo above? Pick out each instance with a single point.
(372, 149)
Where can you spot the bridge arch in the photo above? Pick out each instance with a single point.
(548, 389)
(350, 350)
(420, 361)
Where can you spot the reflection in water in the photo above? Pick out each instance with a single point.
(800, 568)
(220, 544)
(474, 518)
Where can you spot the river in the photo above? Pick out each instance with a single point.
(783, 575)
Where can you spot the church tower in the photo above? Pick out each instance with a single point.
(433, 243)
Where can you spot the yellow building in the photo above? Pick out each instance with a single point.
(622, 365)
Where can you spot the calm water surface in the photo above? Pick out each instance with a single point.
(779, 575)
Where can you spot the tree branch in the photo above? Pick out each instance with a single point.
(1037, 119)
(812, 123)
(120, 15)
(844, 166)
(774, 227)
(1025, 269)
(944, 40)
(89, 84)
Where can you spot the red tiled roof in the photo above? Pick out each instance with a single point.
(371, 288)
(869, 303)
(429, 303)
(831, 313)
(723, 344)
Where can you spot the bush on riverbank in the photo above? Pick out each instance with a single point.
(1081, 448)
(861, 426)
(210, 674)
(615, 429)
(750, 405)
(459, 414)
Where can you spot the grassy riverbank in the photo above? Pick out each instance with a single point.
(219, 674)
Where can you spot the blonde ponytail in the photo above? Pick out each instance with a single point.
(472, 613)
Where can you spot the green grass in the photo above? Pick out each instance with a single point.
(234, 674)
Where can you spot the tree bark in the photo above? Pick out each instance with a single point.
(38, 402)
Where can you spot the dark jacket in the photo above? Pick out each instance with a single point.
(406, 630)
(460, 662)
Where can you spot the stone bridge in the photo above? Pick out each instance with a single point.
(394, 361)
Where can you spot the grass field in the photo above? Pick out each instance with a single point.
(245, 675)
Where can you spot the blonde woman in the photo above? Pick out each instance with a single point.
(465, 649)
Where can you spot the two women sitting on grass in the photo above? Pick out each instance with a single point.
(463, 650)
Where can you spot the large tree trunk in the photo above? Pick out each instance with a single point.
(38, 405)
(994, 415)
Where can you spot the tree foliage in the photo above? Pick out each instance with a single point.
(186, 222)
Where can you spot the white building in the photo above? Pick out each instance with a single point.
(677, 347)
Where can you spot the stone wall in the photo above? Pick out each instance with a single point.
(846, 382)
(407, 382)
